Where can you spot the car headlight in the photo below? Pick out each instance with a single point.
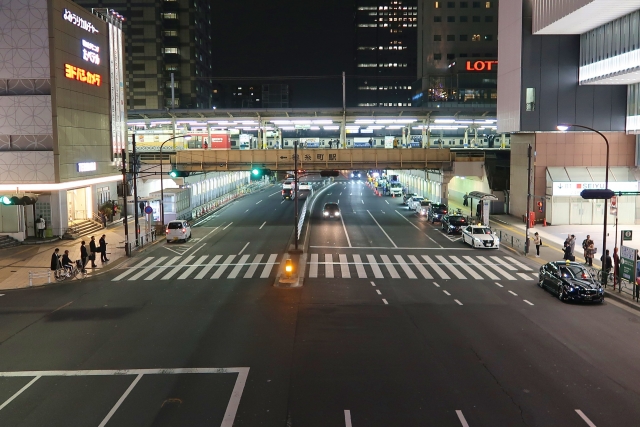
(337, 214)
(325, 213)
(496, 240)
(600, 290)
(475, 239)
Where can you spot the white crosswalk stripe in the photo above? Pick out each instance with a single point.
(405, 267)
(431, 263)
(522, 266)
(177, 268)
(223, 267)
(392, 270)
(148, 269)
(254, 265)
(344, 267)
(503, 262)
(454, 270)
(524, 276)
(266, 271)
(313, 266)
(208, 267)
(160, 270)
(496, 268)
(362, 274)
(328, 266)
(191, 269)
(377, 273)
(418, 265)
(236, 270)
(129, 271)
(466, 268)
(480, 267)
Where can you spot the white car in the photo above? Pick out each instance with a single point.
(422, 208)
(480, 236)
(411, 203)
(304, 186)
(178, 230)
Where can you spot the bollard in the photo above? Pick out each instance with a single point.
(49, 276)
(30, 279)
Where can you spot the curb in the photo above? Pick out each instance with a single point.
(619, 299)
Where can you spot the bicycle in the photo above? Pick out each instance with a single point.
(77, 271)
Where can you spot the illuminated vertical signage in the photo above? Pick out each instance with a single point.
(113, 90)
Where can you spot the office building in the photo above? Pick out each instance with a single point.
(164, 38)
(243, 94)
(386, 43)
(457, 53)
(570, 63)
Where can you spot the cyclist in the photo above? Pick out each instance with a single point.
(67, 264)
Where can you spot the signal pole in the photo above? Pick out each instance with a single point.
(124, 204)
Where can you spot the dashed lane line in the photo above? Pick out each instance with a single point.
(459, 303)
(585, 418)
(513, 293)
(530, 303)
(385, 301)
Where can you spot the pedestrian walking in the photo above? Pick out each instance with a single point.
(567, 252)
(103, 249)
(41, 225)
(465, 199)
(84, 255)
(103, 217)
(93, 249)
(370, 142)
(591, 251)
(142, 206)
(585, 246)
(537, 240)
(55, 260)
(572, 243)
(616, 267)
(330, 144)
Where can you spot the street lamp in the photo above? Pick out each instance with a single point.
(186, 138)
(564, 128)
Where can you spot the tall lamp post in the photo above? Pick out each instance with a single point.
(186, 137)
(564, 128)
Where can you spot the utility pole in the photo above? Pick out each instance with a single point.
(136, 223)
(295, 186)
(526, 233)
(124, 204)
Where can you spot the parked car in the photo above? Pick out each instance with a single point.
(570, 281)
(453, 224)
(422, 207)
(178, 230)
(436, 212)
(406, 197)
(331, 210)
(411, 203)
(480, 236)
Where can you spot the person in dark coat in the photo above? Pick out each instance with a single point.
(55, 260)
(103, 249)
(142, 206)
(84, 254)
(93, 249)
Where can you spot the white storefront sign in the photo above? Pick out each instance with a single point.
(87, 166)
(90, 52)
(574, 188)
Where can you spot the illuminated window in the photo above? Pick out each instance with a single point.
(170, 33)
(436, 5)
(171, 50)
(475, 38)
(487, 5)
(170, 15)
(171, 67)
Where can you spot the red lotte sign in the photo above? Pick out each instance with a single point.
(481, 65)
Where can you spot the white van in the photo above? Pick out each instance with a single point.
(178, 230)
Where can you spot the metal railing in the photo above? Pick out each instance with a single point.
(39, 275)
(512, 240)
(143, 239)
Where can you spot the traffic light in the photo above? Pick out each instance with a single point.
(539, 204)
(175, 173)
(258, 173)
(329, 173)
(604, 193)
(18, 200)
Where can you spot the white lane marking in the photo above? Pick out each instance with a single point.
(259, 201)
(159, 270)
(418, 228)
(227, 226)
(530, 303)
(119, 402)
(385, 301)
(459, 303)
(193, 267)
(405, 267)
(362, 274)
(481, 268)
(377, 273)
(362, 200)
(525, 276)
(131, 269)
(469, 249)
(328, 266)
(519, 264)
(383, 212)
(392, 270)
(223, 267)
(177, 268)
(503, 262)
(273, 194)
(420, 268)
(243, 248)
(347, 418)
(253, 266)
(19, 392)
(236, 270)
(246, 211)
(1, 295)
(280, 203)
(454, 270)
(236, 395)
(463, 421)
(208, 267)
(385, 233)
(436, 284)
(345, 231)
(340, 194)
(387, 201)
(446, 293)
(267, 268)
(585, 418)
(513, 293)
(344, 267)
(262, 225)
(147, 269)
(373, 284)
(195, 250)
(496, 268)
(378, 291)
(436, 267)
(535, 276)
(499, 284)
(468, 269)
(313, 266)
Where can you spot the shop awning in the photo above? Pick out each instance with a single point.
(570, 181)
(482, 196)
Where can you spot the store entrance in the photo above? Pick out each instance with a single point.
(79, 204)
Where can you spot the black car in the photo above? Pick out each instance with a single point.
(452, 224)
(436, 212)
(331, 210)
(570, 281)
(356, 175)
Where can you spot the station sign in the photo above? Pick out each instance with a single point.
(574, 188)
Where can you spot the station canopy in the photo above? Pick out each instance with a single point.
(482, 196)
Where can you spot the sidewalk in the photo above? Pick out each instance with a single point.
(553, 237)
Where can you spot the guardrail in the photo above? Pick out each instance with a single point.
(39, 275)
(146, 238)
(512, 240)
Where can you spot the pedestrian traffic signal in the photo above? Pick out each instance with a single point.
(30, 199)
(329, 173)
(258, 173)
(175, 173)
(539, 204)
(604, 193)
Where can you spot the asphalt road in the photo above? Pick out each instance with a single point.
(396, 325)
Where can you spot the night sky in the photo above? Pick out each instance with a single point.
(287, 38)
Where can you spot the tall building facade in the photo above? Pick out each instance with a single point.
(386, 52)
(457, 53)
(243, 94)
(164, 38)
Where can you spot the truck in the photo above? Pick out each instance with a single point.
(395, 189)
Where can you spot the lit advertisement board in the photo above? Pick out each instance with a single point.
(80, 92)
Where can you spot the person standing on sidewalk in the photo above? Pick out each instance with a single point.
(103, 248)
(537, 240)
(607, 263)
(93, 249)
(591, 250)
(572, 243)
(55, 261)
(42, 224)
(84, 255)
(616, 267)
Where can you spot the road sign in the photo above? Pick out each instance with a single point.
(148, 210)
(628, 257)
(627, 235)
